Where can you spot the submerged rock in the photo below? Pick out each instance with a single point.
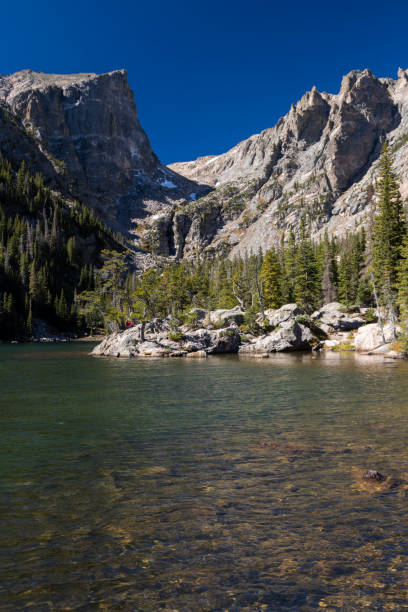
(197, 355)
(373, 475)
(288, 450)
(373, 481)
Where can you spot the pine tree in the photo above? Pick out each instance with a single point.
(270, 276)
(290, 272)
(29, 322)
(328, 267)
(71, 246)
(388, 233)
(402, 279)
(307, 287)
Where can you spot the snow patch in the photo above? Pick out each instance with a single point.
(167, 184)
(193, 197)
(69, 106)
(134, 152)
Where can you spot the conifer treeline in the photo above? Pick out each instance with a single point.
(303, 272)
(48, 250)
(362, 269)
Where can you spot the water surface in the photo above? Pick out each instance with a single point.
(186, 485)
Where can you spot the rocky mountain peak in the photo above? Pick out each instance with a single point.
(318, 162)
(87, 125)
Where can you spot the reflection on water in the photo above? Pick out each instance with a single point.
(227, 484)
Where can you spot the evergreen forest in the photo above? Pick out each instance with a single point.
(60, 264)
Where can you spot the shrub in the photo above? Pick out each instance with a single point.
(343, 346)
(315, 329)
(370, 316)
(176, 336)
(250, 323)
(190, 318)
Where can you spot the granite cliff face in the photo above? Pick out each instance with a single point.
(86, 127)
(319, 162)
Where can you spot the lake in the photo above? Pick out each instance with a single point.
(223, 484)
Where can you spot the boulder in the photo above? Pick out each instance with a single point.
(369, 337)
(197, 355)
(373, 475)
(278, 316)
(331, 317)
(160, 340)
(226, 317)
(290, 336)
(331, 344)
(209, 318)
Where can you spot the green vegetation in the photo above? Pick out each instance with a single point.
(48, 272)
(49, 250)
(399, 143)
(175, 336)
(388, 236)
(312, 325)
(296, 272)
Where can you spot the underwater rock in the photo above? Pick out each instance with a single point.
(373, 475)
(373, 481)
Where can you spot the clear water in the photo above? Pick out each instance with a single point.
(201, 485)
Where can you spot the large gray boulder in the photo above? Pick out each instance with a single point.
(290, 336)
(332, 317)
(288, 312)
(160, 340)
(226, 316)
(369, 337)
(222, 317)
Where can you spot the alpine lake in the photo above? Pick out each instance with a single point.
(202, 485)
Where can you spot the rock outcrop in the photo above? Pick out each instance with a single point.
(371, 338)
(278, 316)
(293, 331)
(158, 338)
(286, 329)
(332, 317)
(290, 336)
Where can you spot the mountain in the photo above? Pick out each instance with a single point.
(83, 132)
(317, 163)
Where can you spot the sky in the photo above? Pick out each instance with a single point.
(207, 75)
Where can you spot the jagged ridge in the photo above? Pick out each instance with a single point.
(318, 161)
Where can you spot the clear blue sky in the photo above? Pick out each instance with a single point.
(207, 74)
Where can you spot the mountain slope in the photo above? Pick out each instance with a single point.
(318, 163)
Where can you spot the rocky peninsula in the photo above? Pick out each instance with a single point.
(287, 329)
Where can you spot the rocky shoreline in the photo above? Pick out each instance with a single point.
(287, 329)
